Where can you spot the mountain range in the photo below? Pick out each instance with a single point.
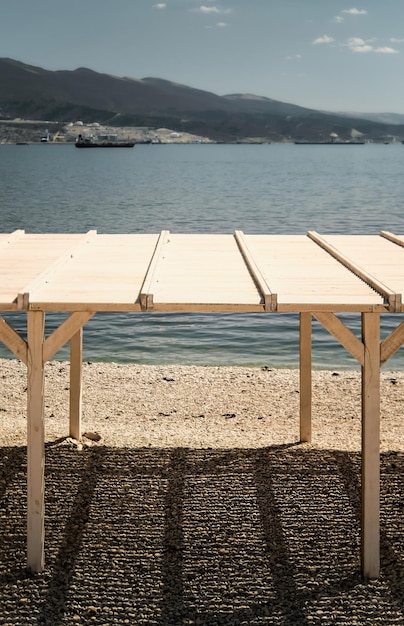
(35, 93)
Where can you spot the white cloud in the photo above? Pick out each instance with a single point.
(396, 40)
(355, 41)
(210, 10)
(294, 57)
(204, 9)
(160, 5)
(323, 39)
(364, 48)
(338, 19)
(386, 50)
(357, 44)
(355, 11)
(217, 25)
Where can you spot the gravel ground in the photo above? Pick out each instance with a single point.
(198, 505)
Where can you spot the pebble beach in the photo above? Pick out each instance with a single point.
(189, 499)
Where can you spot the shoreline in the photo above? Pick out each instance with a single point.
(169, 406)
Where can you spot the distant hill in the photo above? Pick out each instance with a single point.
(384, 118)
(34, 93)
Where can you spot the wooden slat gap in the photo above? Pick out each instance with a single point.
(343, 334)
(64, 333)
(23, 296)
(392, 343)
(146, 291)
(269, 297)
(391, 298)
(13, 341)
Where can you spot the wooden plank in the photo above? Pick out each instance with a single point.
(23, 295)
(106, 275)
(302, 306)
(146, 292)
(393, 299)
(119, 307)
(392, 343)
(343, 334)
(270, 298)
(76, 364)
(370, 553)
(393, 238)
(304, 275)
(35, 443)
(203, 272)
(305, 377)
(7, 239)
(204, 307)
(13, 340)
(26, 258)
(64, 333)
(379, 257)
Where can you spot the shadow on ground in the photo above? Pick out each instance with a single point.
(208, 537)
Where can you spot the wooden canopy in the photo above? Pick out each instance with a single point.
(312, 275)
(176, 272)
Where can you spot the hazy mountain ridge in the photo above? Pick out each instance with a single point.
(35, 93)
(383, 118)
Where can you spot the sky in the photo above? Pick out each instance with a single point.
(333, 55)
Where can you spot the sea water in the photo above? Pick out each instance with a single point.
(276, 189)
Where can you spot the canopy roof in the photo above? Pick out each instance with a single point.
(313, 275)
(211, 272)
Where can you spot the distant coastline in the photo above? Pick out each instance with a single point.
(34, 132)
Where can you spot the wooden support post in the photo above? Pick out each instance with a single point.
(76, 361)
(305, 377)
(35, 442)
(371, 446)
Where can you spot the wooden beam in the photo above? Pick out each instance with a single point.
(35, 442)
(392, 237)
(305, 377)
(392, 343)
(370, 554)
(13, 341)
(393, 299)
(146, 292)
(76, 364)
(342, 333)
(270, 298)
(64, 333)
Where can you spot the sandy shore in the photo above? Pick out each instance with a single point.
(200, 407)
(198, 506)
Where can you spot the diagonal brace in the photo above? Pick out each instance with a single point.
(13, 341)
(343, 334)
(64, 333)
(392, 343)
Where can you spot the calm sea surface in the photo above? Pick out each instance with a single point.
(205, 189)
